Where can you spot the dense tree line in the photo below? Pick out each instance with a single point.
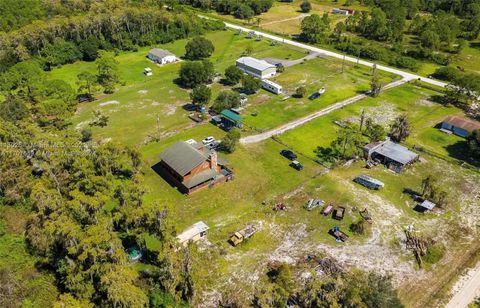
(64, 39)
(244, 9)
(441, 29)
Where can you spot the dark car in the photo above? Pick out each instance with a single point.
(288, 154)
(86, 97)
(314, 96)
(296, 165)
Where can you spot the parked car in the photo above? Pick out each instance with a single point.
(288, 154)
(214, 144)
(208, 140)
(296, 165)
(86, 97)
(314, 96)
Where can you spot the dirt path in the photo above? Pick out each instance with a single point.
(301, 16)
(469, 290)
(296, 123)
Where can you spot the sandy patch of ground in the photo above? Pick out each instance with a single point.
(155, 104)
(109, 103)
(424, 102)
(142, 92)
(170, 110)
(82, 124)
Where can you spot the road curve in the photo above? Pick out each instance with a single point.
(296, 123)
(405, 75)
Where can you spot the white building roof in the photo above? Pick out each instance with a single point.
(428, 205)
(160, 53)
(395, 152)
(271, 83)
(260, 65)
(192, 231)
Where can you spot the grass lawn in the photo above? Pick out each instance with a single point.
(271, 110)
(424, 115)
(133, 109)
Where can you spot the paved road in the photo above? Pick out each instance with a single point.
(405, 75)
(294, 124)
(469, 291)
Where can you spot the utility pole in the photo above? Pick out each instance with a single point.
(343, 64)
(362, 120)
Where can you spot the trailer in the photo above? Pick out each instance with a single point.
(327, 210)
(242, 235)
(339, 213)
(369, 182)
(338, 235)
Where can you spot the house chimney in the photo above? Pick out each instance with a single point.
(213, 160)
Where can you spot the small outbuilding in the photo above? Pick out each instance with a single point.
(230, 119)
(193, 233)
(425, 206)
(161, 56)
(393, 155)
(256, 68)
(459, 126)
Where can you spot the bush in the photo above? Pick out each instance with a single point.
(406, 62)
(251, 84)
(199, 48)
(233, 75)
(226, 100)
(300, 92)
(447, 73)
(305, 6)
(230, 141)
(195, 73)
(358, 227)
(434, 254)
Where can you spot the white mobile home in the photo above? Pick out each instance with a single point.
(161, 56)
(341, 12)
(194, 233)
(271, 86)
(256, 68)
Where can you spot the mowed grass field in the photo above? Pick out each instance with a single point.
(272, 110)
(145, 106)
(135, 108)
(417, 102)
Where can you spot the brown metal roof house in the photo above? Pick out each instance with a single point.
(190, 166)
(459, 126)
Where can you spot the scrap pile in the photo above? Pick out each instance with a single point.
(366, 215)
(416, 244)
(328, 266)
(280, 207)
(313, 203)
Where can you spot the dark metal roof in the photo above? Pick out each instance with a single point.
(183, 157)
(200, 178)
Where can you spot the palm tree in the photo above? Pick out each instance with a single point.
(400, 128)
